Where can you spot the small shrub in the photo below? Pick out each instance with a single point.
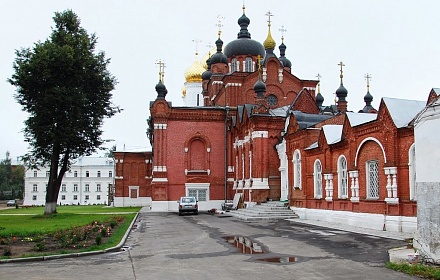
(7, 252)
(98, 240)
(113, 224)
(40, 247)
(2, 241)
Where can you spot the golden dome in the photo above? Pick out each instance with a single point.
(194, 72)
(269, 43)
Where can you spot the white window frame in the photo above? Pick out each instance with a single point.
(368, 180)
(342, 177)
(75, 188)
(248, 64)
(87, 188)
(63, 188)
(234, 65)
(198, 187)
(34, 188)
(412, 172)
(297, 170)
(317, 179)
(98, 187)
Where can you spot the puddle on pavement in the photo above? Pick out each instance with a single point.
(244, 244)
(279, 260)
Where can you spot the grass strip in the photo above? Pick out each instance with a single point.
(421, 270)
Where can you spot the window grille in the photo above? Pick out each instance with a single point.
(75, 197)
(373, 179)
(98, 197)
(63, 197)
(200, 194)
(343, 180)
(318, 179)
(297, 169)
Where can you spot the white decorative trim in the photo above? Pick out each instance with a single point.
(231, 168)
(121, 161)
(260, 184)
(391, 187)
(217, 82)
(186, 149)
(259, 134)
(119, 178)
(208, 150)
(159, 180)
(369, 139)
(160, 126)
(233, 85)
(159, 169)
(328, 187)
(310, 88)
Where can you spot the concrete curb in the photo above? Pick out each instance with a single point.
(74, 255)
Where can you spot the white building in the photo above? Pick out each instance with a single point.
(426, 126)
(89, 181)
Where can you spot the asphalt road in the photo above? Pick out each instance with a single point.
(204, 246)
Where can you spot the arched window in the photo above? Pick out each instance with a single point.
(234, 65)
(317, 178)
(342, 177)
(412, 172)
(297, 170)
(248, 64)
(197, 155)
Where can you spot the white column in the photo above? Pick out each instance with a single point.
(354, 175)
(391, 187)
(328, 187)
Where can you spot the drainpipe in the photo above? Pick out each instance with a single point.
(226, 152)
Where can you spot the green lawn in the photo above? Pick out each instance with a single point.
(31, 221)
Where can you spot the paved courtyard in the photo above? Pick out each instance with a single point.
(204, 246)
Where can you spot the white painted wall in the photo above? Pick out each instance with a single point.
(427, 238)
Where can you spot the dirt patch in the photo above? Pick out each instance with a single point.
(73, 240)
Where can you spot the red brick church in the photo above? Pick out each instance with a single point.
(250, 126)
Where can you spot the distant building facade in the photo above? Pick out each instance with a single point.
(89, 181)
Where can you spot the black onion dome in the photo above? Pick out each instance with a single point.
(219, 57)
(286, 62)
(244, 45)
(319, 99)
(259, 86)
(368, 98)
(260, 89)
(207, 74)
(341, 92)
(161, 90)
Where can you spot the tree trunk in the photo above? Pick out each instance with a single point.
(50, 208)
(55, 180)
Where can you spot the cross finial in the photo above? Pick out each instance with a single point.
(269, 14)
(368, 78)
(161, 64)
(197, 45)
(244, 7)
(220, 24)
(282, 30)
(319, 82)
(341, 75)
(210, 46)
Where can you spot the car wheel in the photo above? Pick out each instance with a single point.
(197, 212)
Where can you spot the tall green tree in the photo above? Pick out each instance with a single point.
(65, 86)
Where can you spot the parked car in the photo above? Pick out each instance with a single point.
(188, 204)
(227, 205)
(10, 203)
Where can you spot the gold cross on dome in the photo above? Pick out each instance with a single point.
(197, 45)
(342, 65)
(161, 64)
(220, 24)
(319, 82)
(368, 78)
(269, 14)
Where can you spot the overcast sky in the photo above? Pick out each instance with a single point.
(396, 41)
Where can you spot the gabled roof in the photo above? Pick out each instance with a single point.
(333, 133)
(356, 119)
(403, 111)
(279, 112)
(305, 120)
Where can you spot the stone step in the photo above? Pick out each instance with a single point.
(270, 210)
